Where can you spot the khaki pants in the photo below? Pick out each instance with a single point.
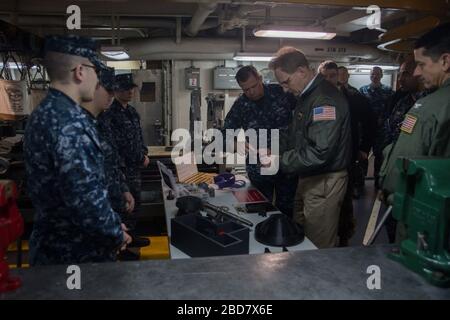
(318, 204)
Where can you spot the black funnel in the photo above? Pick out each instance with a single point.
(188, 205)
(279, 231)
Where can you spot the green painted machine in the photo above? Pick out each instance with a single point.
(422, 206)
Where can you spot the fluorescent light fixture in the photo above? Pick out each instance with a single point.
(274, 31)
(12, 65)
(115, 53)
(370, 67)
(251, 56)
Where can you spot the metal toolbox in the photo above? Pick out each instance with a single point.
(198, 236)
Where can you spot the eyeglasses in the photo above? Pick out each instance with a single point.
(89, 66)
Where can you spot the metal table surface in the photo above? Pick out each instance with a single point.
(226, 198)
(339, 273)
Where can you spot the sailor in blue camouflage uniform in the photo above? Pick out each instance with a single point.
(264, 107)
(378, 95)
(118, 192)
(74, 221)
(124, 126)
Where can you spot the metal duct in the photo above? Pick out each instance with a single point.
(439, 6)
(199, 17)
(222, 49)
(91, 21)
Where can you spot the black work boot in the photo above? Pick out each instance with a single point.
(138, 242)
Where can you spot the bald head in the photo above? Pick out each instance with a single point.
(406, 79)
(409, 66)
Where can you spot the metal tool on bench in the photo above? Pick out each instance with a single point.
(192, 205)
(188, 205)
(422, 205)
(224, 211)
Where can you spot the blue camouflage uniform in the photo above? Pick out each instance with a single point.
(273, 111)
(123, 126)
(378, 101)
(378, 98)
(115, 178)
(74, 221)
(114, 168)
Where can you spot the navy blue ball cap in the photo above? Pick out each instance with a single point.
(74, 45)
(107, 78)
(125, 81)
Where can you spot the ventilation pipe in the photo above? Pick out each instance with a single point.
(224, 49)
(199, 17)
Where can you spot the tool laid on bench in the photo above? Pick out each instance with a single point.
(227, 213)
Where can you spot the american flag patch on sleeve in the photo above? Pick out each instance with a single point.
(324, 113)
(408, 124)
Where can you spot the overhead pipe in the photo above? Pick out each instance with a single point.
(225, 48)
(91, 21)
(438, 6)
(199, 17)
(178, 31)
(101, 21)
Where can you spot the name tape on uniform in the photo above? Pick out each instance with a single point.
(408, 124)
(324, 113)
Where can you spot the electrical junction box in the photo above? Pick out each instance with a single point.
(198, 236)
(192, 78)
(224, 78)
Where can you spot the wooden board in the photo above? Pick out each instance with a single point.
(372, 222)
(200, 177)
(158, 151)
(187, 172)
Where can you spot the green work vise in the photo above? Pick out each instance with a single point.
(422, 207)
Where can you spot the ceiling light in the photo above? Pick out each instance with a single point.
(116, 53)
(16, 65)
(274, 31)
(370, 67)
(251, 56)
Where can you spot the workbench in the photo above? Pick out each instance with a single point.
(339, 273)
(226, 198)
